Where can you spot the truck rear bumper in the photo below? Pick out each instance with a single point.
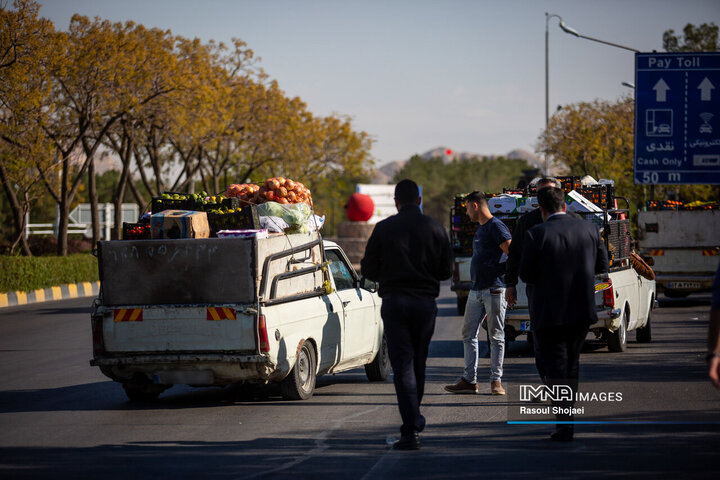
(608, 319)
(686, 282)
(196, 369)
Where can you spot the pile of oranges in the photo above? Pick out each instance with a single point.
(276, 189)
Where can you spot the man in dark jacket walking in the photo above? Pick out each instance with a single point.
(525, 223)
(560, 259)
(408, 254)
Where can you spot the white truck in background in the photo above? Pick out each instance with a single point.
(684, 246)
(218, 311)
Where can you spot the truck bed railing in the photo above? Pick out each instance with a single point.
(283, 276)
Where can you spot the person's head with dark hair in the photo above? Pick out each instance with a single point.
(476, 207)
(549, 182)
(406, 193)
(477, 197)
(551, 200)
(543, 182)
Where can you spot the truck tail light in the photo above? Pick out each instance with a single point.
(609, 297)
(96, 323)
(456, 272)
(263, 343)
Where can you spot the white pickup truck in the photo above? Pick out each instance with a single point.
(624, 298)
(219, 311)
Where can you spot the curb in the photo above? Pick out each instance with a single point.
(72, 290)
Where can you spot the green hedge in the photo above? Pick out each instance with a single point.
(30, 273)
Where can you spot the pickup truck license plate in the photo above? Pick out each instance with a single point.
(525, 326)
(683, 285)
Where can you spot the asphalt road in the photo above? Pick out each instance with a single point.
(61, 418)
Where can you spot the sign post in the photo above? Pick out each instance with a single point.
(677, 118)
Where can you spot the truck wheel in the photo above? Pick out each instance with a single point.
(461, 303)
(147, 392)
(643, 334)
(617, 341)
(379, 369)
(300, 382)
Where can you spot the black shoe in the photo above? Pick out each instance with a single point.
(407, 442)
(563, 433)
(422, 423)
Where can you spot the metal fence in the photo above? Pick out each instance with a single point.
(80, 220)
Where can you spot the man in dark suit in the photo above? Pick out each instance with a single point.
(525, 223)
(408, 254)
(560, 259)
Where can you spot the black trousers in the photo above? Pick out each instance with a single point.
(538, 365)
(409, 325)
(557, 352)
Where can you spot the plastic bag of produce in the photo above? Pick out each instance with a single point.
(315, 223)
(295, 215)
(274, 224)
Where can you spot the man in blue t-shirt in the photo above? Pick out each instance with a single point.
(487, 296)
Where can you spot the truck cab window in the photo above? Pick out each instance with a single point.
(340, 271)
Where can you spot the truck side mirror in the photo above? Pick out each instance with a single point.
(369, 285)
(649, 260)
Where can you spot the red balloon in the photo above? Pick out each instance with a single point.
(360, 207)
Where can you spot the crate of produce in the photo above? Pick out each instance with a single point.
(171, 201)
(569, 183)
(136, 231)
(600, 194)
(217, 202)
(516, 191)
(244, 218)
(617, 233)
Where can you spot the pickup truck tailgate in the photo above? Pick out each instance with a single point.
(178, 329)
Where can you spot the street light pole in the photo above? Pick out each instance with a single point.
(547, 79)
(571, 31)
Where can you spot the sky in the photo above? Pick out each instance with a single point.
(468, 75)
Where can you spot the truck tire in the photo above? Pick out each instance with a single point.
(145, 392)
(461, 303)
(300, 382)
(617, 341)
(643, 334)
(379, 369)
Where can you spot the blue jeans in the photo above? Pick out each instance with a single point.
(481, 302)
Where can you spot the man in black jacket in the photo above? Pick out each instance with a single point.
(560, 259)
(408, 254)
(525, 223)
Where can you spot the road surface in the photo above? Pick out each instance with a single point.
(61, 418)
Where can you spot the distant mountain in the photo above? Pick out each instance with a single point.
(529, 157)
(386, 172)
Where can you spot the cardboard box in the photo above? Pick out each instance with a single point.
(503, 204)
(527, 204)
(577, 203)
(179, 224)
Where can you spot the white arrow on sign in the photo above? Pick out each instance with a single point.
(706, 87)
(661, 89)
